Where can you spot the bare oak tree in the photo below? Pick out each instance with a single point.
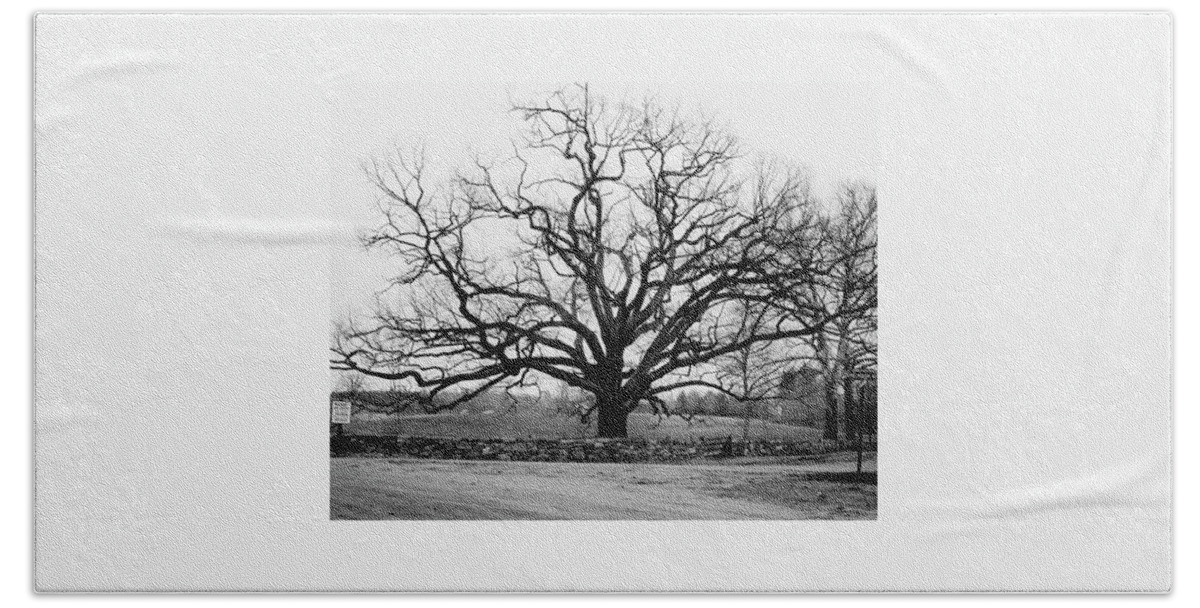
(609, 253)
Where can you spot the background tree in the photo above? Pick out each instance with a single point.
(753, 373)
(349, 384)
(607, 254)
(848, 295)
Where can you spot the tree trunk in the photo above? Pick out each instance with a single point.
(831, 409)
(853, 410)
(850, 408)
(611, 416)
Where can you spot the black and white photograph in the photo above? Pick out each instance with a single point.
(619, 309)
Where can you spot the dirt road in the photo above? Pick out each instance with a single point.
(378, 488)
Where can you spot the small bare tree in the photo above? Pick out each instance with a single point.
(753, 372)
(350, 383)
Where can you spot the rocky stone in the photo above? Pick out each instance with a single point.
(573, 450)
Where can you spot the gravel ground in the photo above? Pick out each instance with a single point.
(379, 488)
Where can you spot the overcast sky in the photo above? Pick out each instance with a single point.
(797, 91)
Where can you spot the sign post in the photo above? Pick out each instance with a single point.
(339, 414)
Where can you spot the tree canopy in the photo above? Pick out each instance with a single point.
(620, 250)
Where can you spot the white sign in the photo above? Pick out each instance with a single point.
(341, 412)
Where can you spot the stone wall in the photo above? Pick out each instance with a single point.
(573, 450)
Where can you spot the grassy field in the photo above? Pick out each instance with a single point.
(547, 424)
